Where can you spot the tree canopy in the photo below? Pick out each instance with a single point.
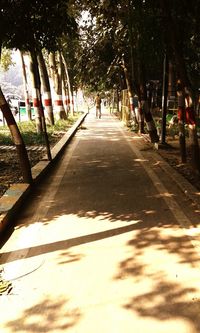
(40, 22)
(139, 30)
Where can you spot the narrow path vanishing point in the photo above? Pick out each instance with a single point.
(108, 243)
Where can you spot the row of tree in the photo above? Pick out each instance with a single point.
(121, 43)
(41, 70)
(42, 31)
(125, 43)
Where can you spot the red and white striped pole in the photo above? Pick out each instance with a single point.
(66, 103)
(36, 102)
(58, 104)
(48, 106)
(47, 100)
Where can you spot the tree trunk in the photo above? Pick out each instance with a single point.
(52, 67)
(172, 82)
(63, 114)
(117, 101)
(71, 101)
(151, 128)
(164, 97)
(140, 117)
(144, 105)
(65, 92)
(26, 92)
(37, 102)
(174, 38)
(45, 88)
(56, 76)
(36, 95)
(17, 140)
(191, 121)
(181, 125)
(130, 94)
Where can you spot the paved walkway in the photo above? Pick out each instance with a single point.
(107, 244)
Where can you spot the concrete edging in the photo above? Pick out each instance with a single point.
(14, 197)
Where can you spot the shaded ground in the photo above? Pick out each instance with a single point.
(101, 246)
(10, 169)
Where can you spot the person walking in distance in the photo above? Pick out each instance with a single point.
(98, 106)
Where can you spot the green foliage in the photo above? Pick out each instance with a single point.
(180, 23)
(6, 59)
(34, 23)
(118, 28)
(5, 138)
(136, 29)
(139, 30)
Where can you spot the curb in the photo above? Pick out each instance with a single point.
(14, 197)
